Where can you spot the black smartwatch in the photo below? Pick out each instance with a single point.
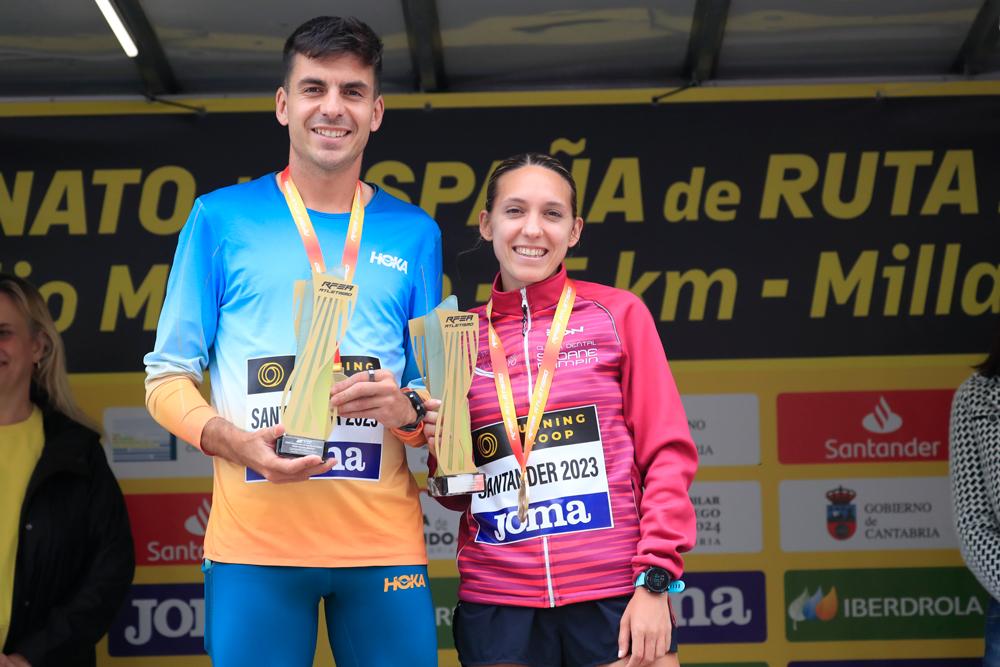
(418, 406)
(654, 579)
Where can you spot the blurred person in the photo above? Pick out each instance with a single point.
(974, 465)
(66, 554)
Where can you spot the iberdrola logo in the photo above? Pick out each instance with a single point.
(812, 607)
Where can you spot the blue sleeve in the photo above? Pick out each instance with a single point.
(426, 294)
(190, 314)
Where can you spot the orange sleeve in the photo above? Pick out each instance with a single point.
(177, 405)
(414, 438)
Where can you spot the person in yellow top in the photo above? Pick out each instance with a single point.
(66, 553)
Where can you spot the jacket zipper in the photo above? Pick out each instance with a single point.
(525, 328)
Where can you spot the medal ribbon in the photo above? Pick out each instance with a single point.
(540, 395)
(302, 222)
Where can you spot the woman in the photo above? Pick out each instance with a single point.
(974, 463)
(566, 557)
(66, 558)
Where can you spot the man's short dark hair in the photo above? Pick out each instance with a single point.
(326, 36)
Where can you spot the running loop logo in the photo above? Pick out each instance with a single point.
(390, 261)
(882, 419)
(402, 582)
(270, 375)
(487, 444)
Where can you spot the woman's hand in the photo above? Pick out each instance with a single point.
(433, 407)
(646, 626)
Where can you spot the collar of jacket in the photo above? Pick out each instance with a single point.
(542, 295)
(63, 450)
(984, 395)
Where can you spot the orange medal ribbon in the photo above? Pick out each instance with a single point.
(304, 224)
(540, 395)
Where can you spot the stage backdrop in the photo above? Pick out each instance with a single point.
(823, 265)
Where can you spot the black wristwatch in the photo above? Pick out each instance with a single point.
(418, 406)
(654, 579)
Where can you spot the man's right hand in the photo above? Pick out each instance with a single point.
(255, 450)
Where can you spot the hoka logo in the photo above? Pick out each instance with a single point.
(390, 261)
(404, 581)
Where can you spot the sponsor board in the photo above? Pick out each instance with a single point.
(908, 662)
(444, 597)
(416, 459)
(728, 516)
(440, 528)
(139, 448)
(168, 528)
(864, 426)
(872, 514)
(725, 428)
(160, 619)
(864, 604)
(721, 608)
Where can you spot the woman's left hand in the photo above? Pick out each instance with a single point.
(646, 627)
(14, 660)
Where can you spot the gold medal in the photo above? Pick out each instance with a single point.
(522, 499)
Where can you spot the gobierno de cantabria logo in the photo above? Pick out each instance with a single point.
(813, 607)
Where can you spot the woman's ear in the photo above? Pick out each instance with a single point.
(574, 234)
(485, 228)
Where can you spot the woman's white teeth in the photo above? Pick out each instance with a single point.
(530, 252)
(333, 134)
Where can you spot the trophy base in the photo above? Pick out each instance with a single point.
(297, 445)
(456, 485)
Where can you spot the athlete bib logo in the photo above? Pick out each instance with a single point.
(356, 444)
(565, 472)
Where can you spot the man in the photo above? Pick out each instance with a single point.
(286, 532)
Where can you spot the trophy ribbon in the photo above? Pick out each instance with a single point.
(539, 397)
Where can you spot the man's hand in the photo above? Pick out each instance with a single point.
(646, 625)
(255, 450)
(373, 394)
(433, 406)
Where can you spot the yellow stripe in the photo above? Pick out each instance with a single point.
(527, 98)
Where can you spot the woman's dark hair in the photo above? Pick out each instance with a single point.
(991, 367)
(333, 36)
(526, 160)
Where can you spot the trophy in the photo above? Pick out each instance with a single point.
(320, 325)
(445, 343)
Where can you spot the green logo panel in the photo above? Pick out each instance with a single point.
(444, 595)
(905, 603)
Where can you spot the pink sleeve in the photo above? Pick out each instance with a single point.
(665, 456)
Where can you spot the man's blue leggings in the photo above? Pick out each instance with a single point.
(266, 615)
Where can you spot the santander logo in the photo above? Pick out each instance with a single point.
(882, 419)
(169, 528)
(198, 522)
